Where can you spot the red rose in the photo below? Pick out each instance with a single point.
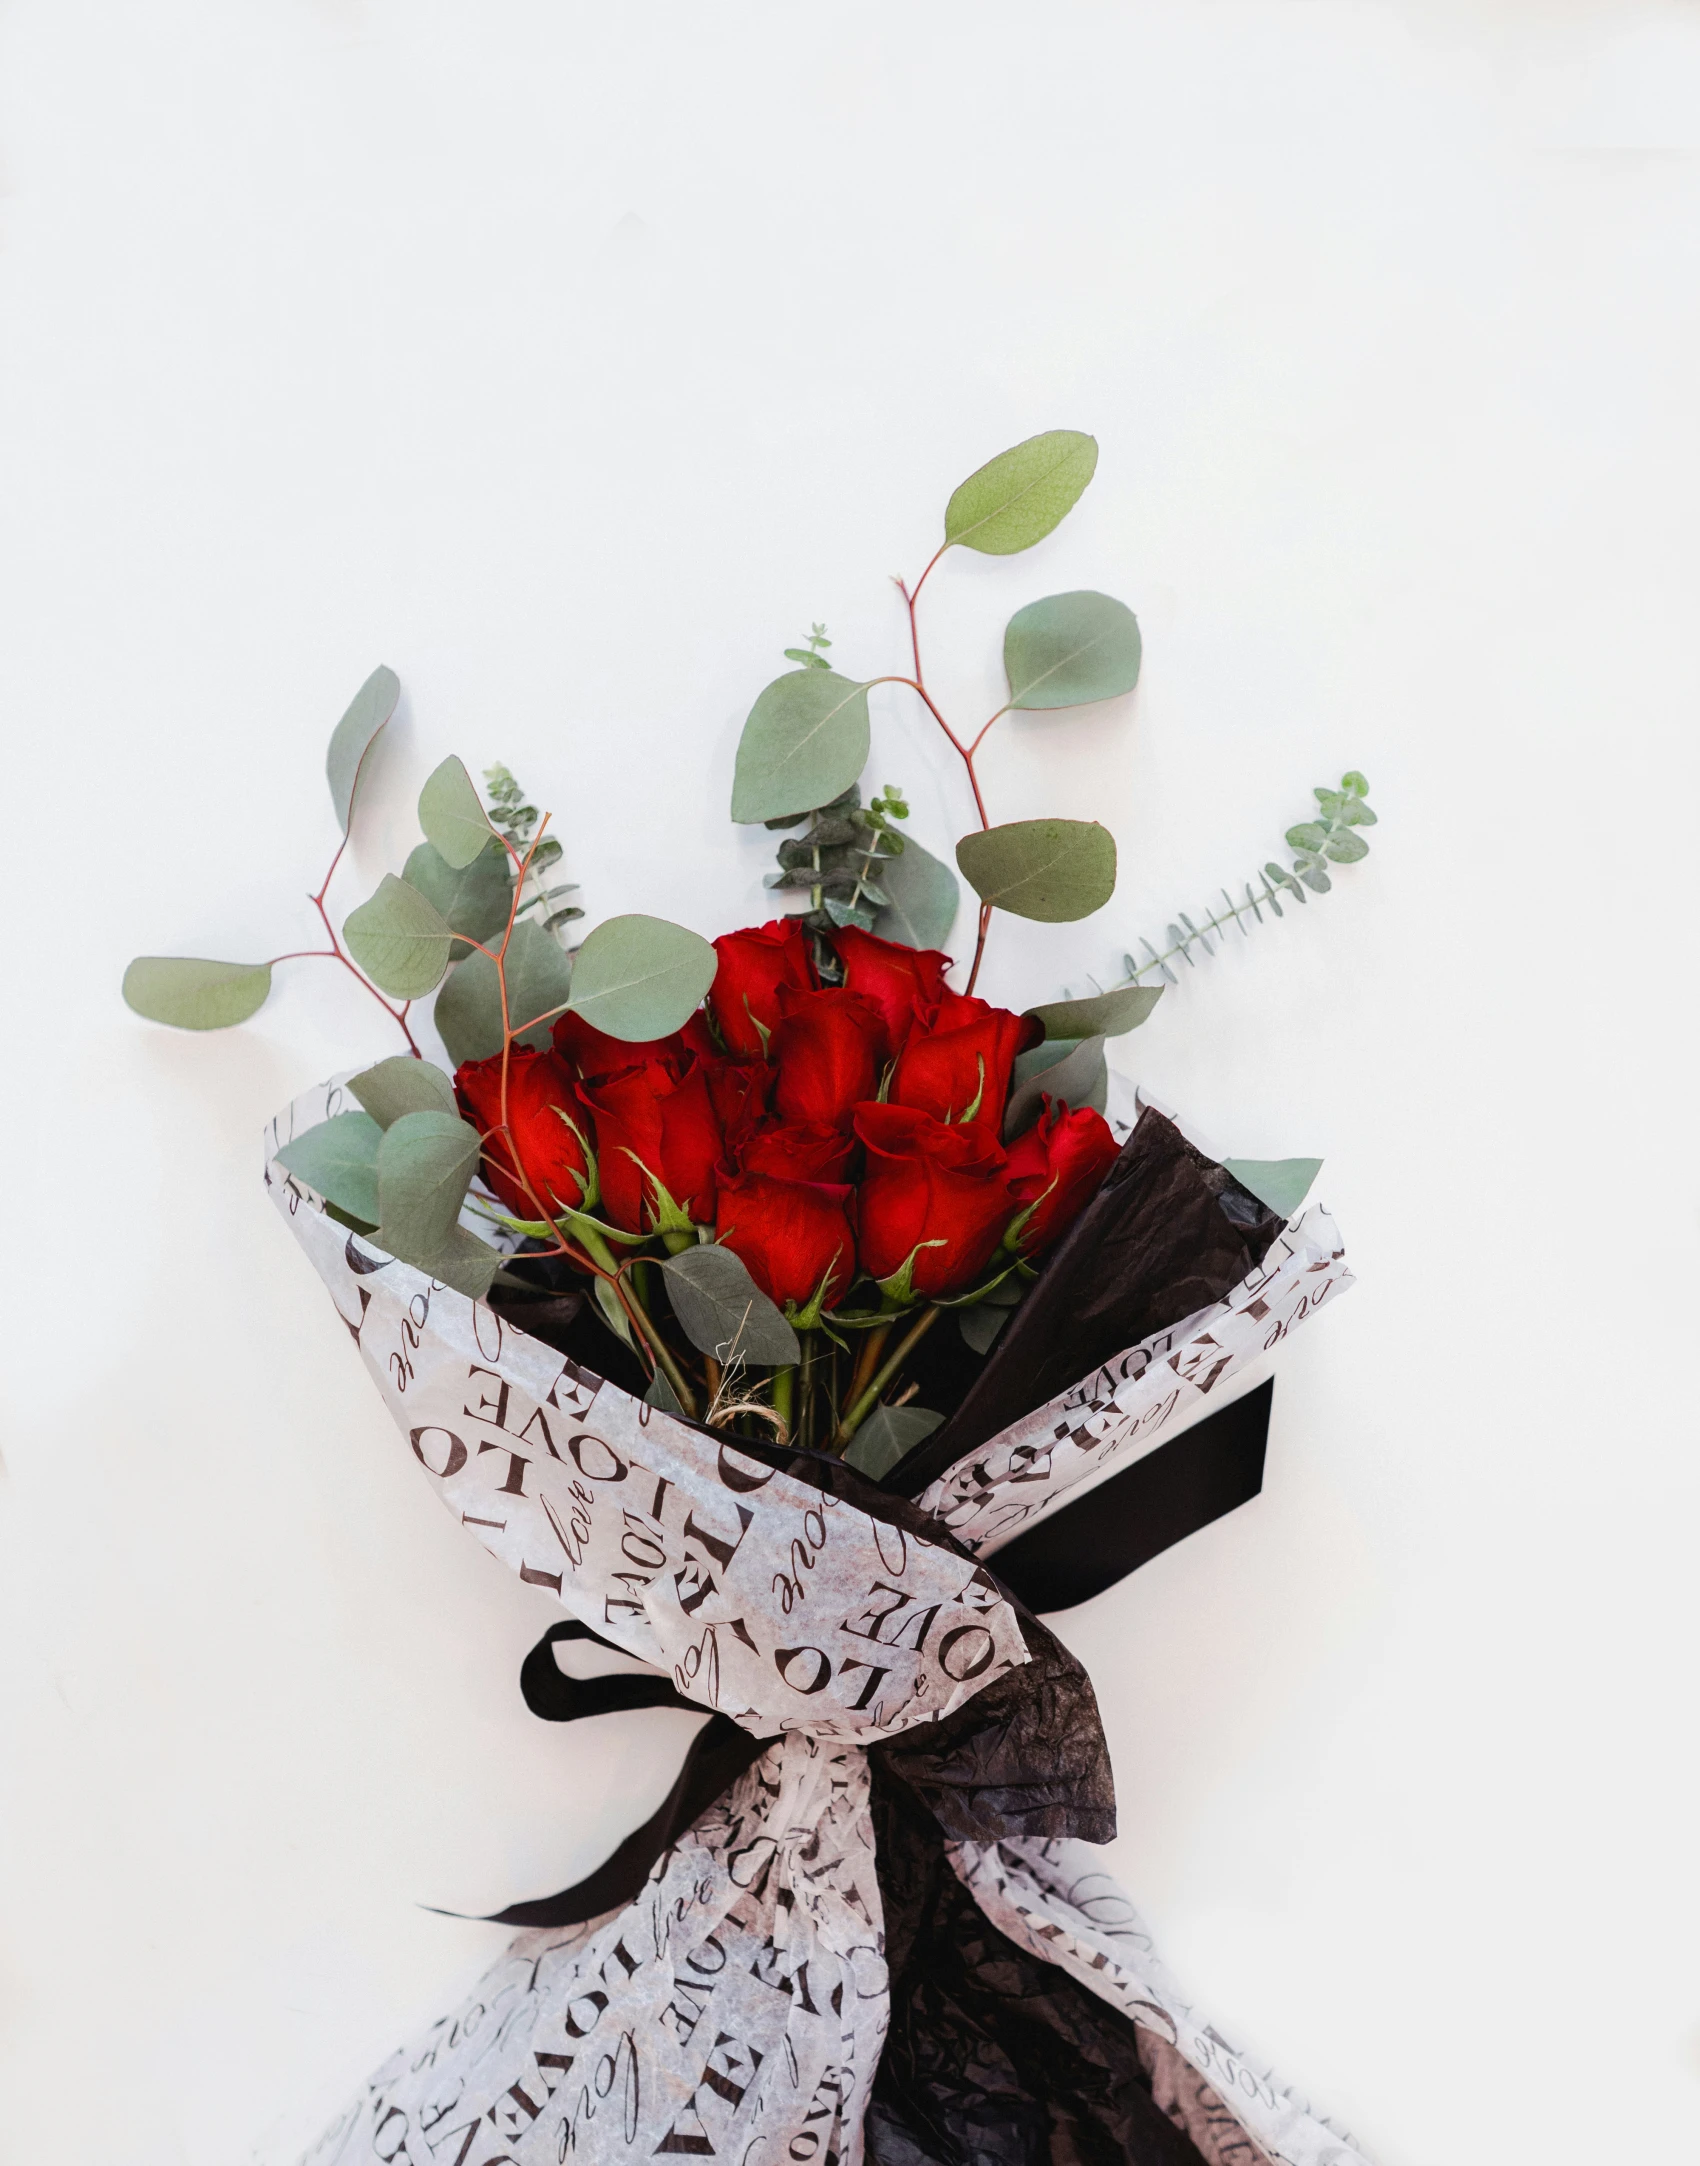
(654, 1126)
(797, 1152)
(903, 983)
(962, 1058)
(754, 964)
(738, 1091)
(1058, 1166)
(542, 1105)
(791, 1234)
(829, 1048)
(929, 1182)
(591, 1053)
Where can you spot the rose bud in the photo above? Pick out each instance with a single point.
(829, 1048)
(739, 1091)
(797, 1151)
(591, 1053)
(791, 1234)
(1058, 1166)
(962, 1059)
(934, 1192)
(903, 983)
(754, 964)
(540, 1139)
(655, 1131)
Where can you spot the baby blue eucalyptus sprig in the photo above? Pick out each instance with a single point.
(1330, 839)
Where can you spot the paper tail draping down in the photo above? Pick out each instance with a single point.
(736, 2006)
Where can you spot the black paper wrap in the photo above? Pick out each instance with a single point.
(994, 2057)
(1168, 1233)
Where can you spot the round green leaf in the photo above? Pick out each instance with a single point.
(403, 1085)
(351, 740)
(468, 1013)
(1016, 499)
(425, 1165)
(339, 1161)
(1053, 870)
(1077, 1075)
(923, 898)
(723, 1312)
(191, 994)
(452, 815)
(473, 899)
(398, 939)
(1106, 1015)
(1070, 648)
(639, 977)
(890, 1433)
(1281, 1183)
(805, 742)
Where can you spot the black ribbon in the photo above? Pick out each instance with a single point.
(1074, 1553)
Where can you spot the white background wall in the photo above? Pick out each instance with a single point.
(572, 360)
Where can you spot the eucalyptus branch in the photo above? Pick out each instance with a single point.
(1331, 839)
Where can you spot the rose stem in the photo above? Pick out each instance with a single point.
(783, 1380)
(873, 1345)
(865, 1405)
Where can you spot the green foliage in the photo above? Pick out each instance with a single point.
(190, 993)
(468, 1013)
(723, 1312)
(353, 737)
(1071, 649)
(1017, 498)
(847, 860)
(425, 1165)
(1282, 1183)
(805, 742)
(1317, 843)
(339, 1161)
(1052, 870)
(1076, 1073)
(403, 1085)
(889, 1434)
(513, 817)
(922, 897)
(399, 940)
(473, 900)
(640, 977)
(812, 653)
(451, 815)
(1107, 1014)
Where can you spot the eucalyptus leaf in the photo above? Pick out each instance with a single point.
(1081, 1077)
(473, 899)
(425, 1164)
(403, 1085)
(468, 1013)
(1052, 870)
(639, 977)
(723, 1312)
(1106, 1014)
(399, 940)
(190, 993)
(889, 1434)
(981, 1324)
(661, 1393)
(1281, 1183)
(1017, 498)
(924, 898)
(452, 815)
(1069, 649)
(1345, 848)
(805, 741)
(351, 740)
(339, 1161)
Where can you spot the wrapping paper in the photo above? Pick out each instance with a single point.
(739, 2006)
